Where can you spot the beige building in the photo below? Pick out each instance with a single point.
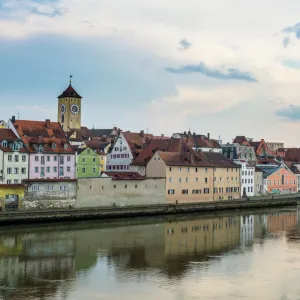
(195, 176)
(258, 182)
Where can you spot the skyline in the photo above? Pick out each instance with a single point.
(223, 68)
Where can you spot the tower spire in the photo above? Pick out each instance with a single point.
(71, 78)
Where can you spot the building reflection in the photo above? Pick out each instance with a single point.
(280, 223)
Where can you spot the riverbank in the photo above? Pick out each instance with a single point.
(80, 214)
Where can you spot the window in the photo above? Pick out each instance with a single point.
(48, 170)
(4, 144)
(40, 149)
(242, 173)
(170, 169)
(55, 158)
(83, 159)
(215, 190)
(206, 169)
(136, 186)
(248, 189)
(220, 190)
(196, 170)
(180, 169)
(227, 178)
(196, 192)
(186, 180)
(185, 192)
(227, 170)
(170, 179)
(215, 179)
(205, 180)
(215, 169)
(179, 179)
(206, 191)
(83, 170)
(9, 158)
(63, 188)
(23, 158)
(188, 169)
(69, 169)
(69, 158)
(94, 159)
(220, 179)
(251, 189)
(55, 169)
(94, 170)
(197, 179)
(36, 158)
(16, 181)
(16, 147)
(48, 158)
(171, 192)
(16, 158)
(8, 181)
(35, 187)
(61, 160)
(23, 170)
(16, 170)
(50, 188)
(115, 186)
(8, 170)
(36, 169)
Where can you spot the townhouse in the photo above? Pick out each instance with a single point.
(247, 178)
(50, 153)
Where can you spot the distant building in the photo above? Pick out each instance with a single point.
(87, 163)
(295, 168)
(247, 178)
(2, 124)
(193, 176)
(14, 158)
(199, 142)
(237, 151)
(275, 146)
(258, 182)
(50, 153)
(279, 180)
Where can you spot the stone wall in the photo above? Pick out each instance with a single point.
(59, 194)
(96, 192)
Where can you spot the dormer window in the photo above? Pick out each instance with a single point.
(66, 146)
(53, 145)
(4, 144)
(40, 149)
(16, 147)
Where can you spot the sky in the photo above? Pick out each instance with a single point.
(221, 67)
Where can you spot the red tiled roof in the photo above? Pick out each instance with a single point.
(240, 139)
(201, 141)
(7, 135)
(124, 175)
(69, 92)
(136, 141)
(292, 167)
(43, 133)
(96, 144)
(292, 154)
(9, 186)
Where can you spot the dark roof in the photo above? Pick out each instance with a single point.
(101, 132)
(7, 135)
(269, 171)
(240, 139)
(96, 144)
(124, 175)
(292, 154)
(292, 167)
(9, 186)
(69, 92)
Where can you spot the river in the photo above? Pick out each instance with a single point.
(246, 255)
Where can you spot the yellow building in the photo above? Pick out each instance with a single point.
(195, 176)
(69, 109)
(2, 124)
(11, 190)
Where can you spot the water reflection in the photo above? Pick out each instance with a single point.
(59, 262)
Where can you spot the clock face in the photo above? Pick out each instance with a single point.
(74, 109)
(63, 108)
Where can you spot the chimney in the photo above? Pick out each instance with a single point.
(13, 119)
(194, 133)
(184, 133)
(162, 135)
(142, 133)
(47, 122)
(208, 135)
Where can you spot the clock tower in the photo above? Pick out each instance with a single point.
(69, 109)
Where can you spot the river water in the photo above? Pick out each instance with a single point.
(244, 255)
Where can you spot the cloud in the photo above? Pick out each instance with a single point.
(293, 64)
(293, 29)
(184, 44)
(289, 113)
(286, 41)
(222, 73)
(58, 12)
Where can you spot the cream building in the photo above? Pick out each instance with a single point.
(195, 177)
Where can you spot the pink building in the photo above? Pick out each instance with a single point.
(50, 154)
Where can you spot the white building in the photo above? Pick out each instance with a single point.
(247, 230)
(14, 159)
(247, 178)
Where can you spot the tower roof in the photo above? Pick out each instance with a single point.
(69, 92)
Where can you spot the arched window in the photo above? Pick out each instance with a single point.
(4, 144)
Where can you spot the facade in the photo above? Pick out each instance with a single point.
(50, 154)
(237, 151)
(50, 193)
(199, 142)
(14, 159)
(295, 168)
(87, 163)
(247, 178)
(279, 181)
(274, 146)
(258, 182)
(195, 176)
(7, 191)
(69, 109)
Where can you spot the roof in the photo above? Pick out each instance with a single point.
(101, 132)
(48, 134)
(189, 157)
(269, 171)
(258, 170)
(96, 144)
(7, 135)
(292, 154)
(69, 93)
(293, 167)
(124, 175)
(80, 134)
(240, 139)
(11, 186)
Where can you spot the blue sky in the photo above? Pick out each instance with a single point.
(229, 68)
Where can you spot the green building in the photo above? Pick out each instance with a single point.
(87, 163)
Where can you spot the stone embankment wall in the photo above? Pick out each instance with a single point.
(99, 192)
(79, 214)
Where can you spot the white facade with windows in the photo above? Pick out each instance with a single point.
(120, 157)
(247, 178)
(14, 164)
